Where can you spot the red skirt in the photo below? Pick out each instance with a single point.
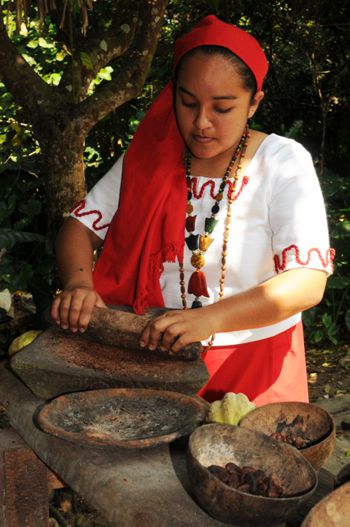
(267, 371)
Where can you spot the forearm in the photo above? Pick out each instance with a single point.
(264, 305)
(75, 247)
(270, 302)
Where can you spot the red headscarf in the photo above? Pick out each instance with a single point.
(148, 227)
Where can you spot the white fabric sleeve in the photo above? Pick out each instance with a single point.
(297, 213)
(97, 209)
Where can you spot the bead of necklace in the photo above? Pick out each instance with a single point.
(198, 244)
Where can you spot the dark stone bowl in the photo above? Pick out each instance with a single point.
(121, 417)
(318, 424)
(217, 444)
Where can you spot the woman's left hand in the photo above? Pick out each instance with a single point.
(175, 329)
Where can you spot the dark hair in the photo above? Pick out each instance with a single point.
(246, 74)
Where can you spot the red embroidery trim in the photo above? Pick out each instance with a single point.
(245, 180)
(210, 183)
(330, 254)
(77, 211)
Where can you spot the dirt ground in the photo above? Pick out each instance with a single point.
(328, 372)
(329, 386)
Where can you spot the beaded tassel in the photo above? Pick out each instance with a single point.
(197, 284)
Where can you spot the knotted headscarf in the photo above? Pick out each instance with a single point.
(149, 225)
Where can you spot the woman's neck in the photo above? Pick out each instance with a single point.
(214, 168)
(211, 168)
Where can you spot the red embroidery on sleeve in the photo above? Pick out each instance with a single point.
(77, 211)
(329, 257)
(210, 183)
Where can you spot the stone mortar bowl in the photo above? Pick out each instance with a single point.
(218, 444)
(317, 423)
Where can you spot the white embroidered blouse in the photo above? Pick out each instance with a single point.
(278, 223)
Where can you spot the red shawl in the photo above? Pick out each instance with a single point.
(148, 227)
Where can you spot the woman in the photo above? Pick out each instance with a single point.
(205, 213)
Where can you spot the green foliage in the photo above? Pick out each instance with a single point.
(26, 256)
(17, 143)
(10, 237)
(26, 259)
(330, 321)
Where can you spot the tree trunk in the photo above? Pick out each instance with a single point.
(63, 166)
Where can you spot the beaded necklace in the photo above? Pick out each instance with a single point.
(198, 244)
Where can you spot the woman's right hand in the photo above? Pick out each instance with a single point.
(73, 307)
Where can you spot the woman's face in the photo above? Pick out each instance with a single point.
(212, 105)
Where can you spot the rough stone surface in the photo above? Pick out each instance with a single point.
(23, 483)
(56, 363)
